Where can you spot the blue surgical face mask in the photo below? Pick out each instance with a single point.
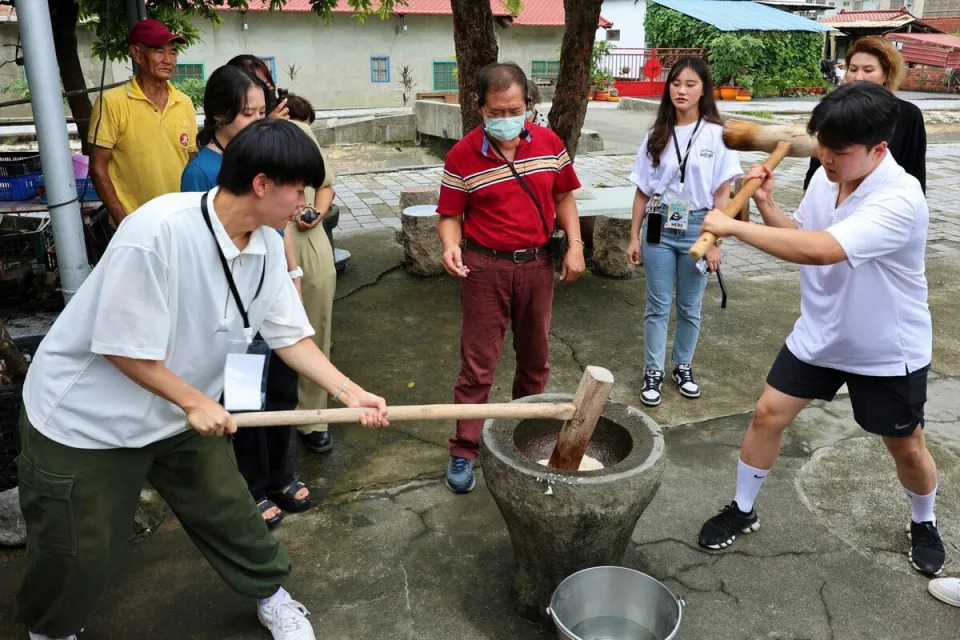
(504, 129)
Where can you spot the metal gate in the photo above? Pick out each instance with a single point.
(642, 72)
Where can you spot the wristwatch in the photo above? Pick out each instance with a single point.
(296, 273)
(718, 242)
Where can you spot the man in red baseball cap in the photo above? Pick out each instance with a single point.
(143, 132)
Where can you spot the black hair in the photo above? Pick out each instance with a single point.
(223, 99)
(276, 148)
(256, 68)
(666, 120)
(858, 113)
(500, 76)
(300, 109)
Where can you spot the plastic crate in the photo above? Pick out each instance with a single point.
(25, 237)
(85, 190)
(11, 401)
(18, 163)
(20, 187)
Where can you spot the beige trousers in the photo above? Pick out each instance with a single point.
(315, 257)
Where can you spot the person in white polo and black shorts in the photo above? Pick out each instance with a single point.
(861, 233)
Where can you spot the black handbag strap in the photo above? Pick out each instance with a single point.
(523, 184)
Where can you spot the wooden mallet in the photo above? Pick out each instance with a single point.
(580, 416)
(779, 141)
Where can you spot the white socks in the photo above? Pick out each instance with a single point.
(280, 596)
(922, 506)
(749, 481)
(37, 636)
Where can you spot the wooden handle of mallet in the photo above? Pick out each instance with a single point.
(707, 239)
(399, 413)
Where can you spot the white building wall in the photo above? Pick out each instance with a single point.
(627, 17)
(333, 60)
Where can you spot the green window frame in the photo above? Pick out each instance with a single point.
(444, 75)
(545, 69)
(188, 70)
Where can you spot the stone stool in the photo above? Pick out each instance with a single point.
(610, 239)
(423, 253)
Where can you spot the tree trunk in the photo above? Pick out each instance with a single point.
(63, 15)
(476, 46)
(573, 84)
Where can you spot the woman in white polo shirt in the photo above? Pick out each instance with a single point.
(682, 170)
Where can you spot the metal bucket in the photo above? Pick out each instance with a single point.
(614, 603)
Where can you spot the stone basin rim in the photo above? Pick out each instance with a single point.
(508, 453)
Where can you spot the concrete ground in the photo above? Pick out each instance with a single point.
(388, 552)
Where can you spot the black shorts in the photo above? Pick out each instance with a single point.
(890, 406)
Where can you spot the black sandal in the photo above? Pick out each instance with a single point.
(287, 500)
(265, 505)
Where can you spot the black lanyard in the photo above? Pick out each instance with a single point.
(228, 274)
(683, 159)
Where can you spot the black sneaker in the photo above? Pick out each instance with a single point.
(927, 554)
(317, 441)
(721, 530)
(683, 376)
(652, 383)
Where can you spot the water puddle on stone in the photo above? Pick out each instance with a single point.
(611, 628)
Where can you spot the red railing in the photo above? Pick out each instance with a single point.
(628, 63)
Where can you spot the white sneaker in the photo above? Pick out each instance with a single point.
(946, 590)
(286, 620)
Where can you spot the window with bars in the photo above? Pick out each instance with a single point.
(271, 63)
(379, 69)
(188, 70)
(545, 69)
(613, 35)
(445, 76)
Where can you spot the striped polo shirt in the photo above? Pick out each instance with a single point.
(497, 212)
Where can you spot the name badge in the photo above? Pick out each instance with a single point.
(678, 215)
(245, 376)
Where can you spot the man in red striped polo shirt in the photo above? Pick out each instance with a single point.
(506, 186)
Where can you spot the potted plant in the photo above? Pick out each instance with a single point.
(731, 56)
(745, 83)
(601, 79)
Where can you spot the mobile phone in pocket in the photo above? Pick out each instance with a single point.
(654, 227)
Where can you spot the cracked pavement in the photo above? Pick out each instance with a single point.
(388, 552)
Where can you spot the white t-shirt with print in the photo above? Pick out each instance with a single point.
(710, 164)
(158, 293)
(868, 314)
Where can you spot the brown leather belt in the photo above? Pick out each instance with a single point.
(520, 255)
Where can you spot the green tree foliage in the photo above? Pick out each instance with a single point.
(784, 59)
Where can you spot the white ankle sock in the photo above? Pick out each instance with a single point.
(922, 506)
(749, 481)
(40, 636)
(280, 596)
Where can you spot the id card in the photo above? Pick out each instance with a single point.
(678, 215)
(245, 376)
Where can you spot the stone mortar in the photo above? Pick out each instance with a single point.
(560, 522)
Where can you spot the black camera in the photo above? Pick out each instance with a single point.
(282, 94)
(309, 214)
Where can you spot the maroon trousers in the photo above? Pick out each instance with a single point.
(498, 293)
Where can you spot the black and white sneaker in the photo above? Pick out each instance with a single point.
(683, 376)
(721, 530)
(652, 384)
(926, 554)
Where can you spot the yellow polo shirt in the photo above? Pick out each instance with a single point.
(150, 147)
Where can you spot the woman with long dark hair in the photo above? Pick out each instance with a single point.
(682, 170)
(234, 99)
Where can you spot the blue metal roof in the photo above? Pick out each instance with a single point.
(742, 15)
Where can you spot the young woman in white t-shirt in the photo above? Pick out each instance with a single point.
(684, 166)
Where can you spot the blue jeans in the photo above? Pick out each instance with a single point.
(667, 265)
